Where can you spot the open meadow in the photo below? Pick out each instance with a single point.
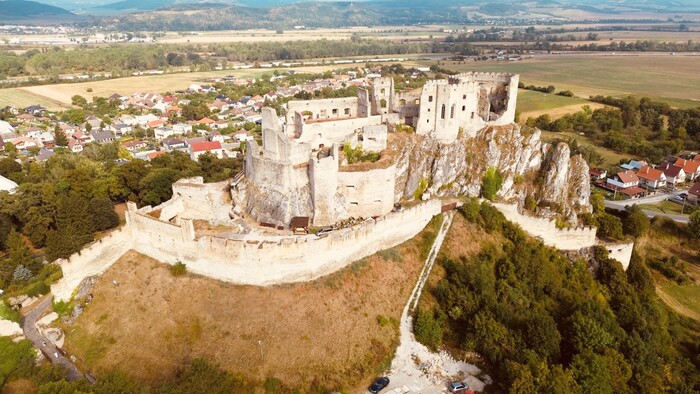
(671, 79)
(336, 332)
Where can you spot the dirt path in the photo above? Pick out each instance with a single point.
(416, 369)
(675, 305)
(42, 343)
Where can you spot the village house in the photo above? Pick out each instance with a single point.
(597, 174)
(119, 129)
(161, 133)
(174, 143)
(133, 146)
(200, 148)
(694, 193)
(103, 137)
(674, 174)
(651, 178)
(75, 146)
(182, 128)
(690, 167)
(623, 180)
(634, 165)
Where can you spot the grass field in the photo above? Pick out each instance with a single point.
(669, 207)
(672, 79)
(338, 331)
(611, 157)
(532, 104)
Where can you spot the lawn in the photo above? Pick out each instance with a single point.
(686, 295)
(669, 207)
(672, 79)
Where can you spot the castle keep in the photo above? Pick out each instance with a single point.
(299, 170)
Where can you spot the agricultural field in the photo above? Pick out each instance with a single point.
(532, 104)
(338, 331)
(21, 98)
(671, 79)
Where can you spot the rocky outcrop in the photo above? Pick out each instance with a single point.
(458, 167)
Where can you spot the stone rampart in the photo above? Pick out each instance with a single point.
(243, 259)
(93, 259)
(547, 231)
(267, 260)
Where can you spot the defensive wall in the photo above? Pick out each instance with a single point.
(566, 238)
(93, 259)
(243, 259)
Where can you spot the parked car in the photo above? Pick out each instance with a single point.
(684, 195)
(678, 198)
(324, 231)
(378, 385)
(458, 387)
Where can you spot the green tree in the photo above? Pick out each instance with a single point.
(427, 329)
(59, 137)
(609, 226)
(694, 225)
(103, 214)
(491, 183)
(636, 223)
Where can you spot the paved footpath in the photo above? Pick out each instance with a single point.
(41, 342)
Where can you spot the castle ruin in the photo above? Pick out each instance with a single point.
(299, 172)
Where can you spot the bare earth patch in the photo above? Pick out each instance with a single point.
(326, 332)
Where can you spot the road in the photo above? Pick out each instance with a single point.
(434, 370)
(41, 342)
(621, 204)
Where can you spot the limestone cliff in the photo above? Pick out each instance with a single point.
(554, 178)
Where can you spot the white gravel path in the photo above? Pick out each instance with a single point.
(416, 369)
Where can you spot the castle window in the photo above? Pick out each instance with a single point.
(383, 90)
(464, 97)
(417, 102)
(402, 102)
(464, 108)
(472, 115)
(452, 111)
(350, 186)
(377, 200)
(354, 203)
(430, 99)
(427, 121)
(347, 111)
(442, 112)
(335, 111)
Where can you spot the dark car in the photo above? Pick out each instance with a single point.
(458, 387)
(378, 385)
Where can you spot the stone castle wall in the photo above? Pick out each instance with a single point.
(93, 259)
(244, 259)
(547, 231)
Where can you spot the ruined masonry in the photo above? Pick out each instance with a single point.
(239, 230)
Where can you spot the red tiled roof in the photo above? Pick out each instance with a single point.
(595, 172)
(689, 166)
(205, 146)
(627, 177)
(648, 173)
(205, 121)
(633, 191)
(155, 154)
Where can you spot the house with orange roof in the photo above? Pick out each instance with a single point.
(690, 167)
(200, 148)
(651, 178)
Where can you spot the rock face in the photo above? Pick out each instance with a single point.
(423, 164)
(458, 168)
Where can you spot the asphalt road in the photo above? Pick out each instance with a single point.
(620, 205)
(42, 343)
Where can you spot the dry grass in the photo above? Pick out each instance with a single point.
(325, 331)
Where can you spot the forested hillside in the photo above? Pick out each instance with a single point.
(545, 325)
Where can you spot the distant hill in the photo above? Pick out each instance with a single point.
(14, 10)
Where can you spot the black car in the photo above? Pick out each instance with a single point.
(378, 385)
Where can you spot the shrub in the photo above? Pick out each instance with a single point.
(427, 329)
(37, 289)
(491, 183)
(178, 269)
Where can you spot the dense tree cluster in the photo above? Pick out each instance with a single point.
(639, 127)
(60, 205)
(544, 325)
